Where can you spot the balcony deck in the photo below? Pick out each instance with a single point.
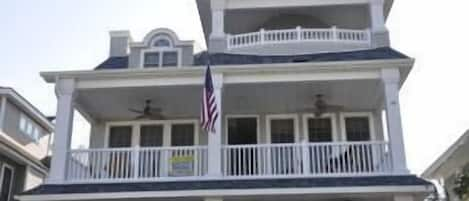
(350, 38)
(238, 162)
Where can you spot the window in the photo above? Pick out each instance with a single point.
(151, 136)
(357, 126)
(6, 182)
(152, 59)
(170, 59)
(29, 128)
(120, 136)
(282, 128)
(162, 43)
(319, 129)
(161, 58)
(182, 134)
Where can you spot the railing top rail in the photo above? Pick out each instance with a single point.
(140, 148)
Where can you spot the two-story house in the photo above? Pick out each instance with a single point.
(24, 143)
(308, 96)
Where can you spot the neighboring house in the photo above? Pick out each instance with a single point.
(451, 170)
(24, 140)
(303, 89)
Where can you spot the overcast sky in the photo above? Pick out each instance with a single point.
(51, 35)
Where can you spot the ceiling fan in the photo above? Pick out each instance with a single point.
(148, 112)
(321, 107)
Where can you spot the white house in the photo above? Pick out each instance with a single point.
(451, 170)
(24, 144)
(308, 93)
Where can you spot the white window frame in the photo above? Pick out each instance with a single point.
(240, 116)
(161, 50)
(369, 115)
(30, 127)
(296, 126)
(11, 180)
(331, 116)
(135, 135)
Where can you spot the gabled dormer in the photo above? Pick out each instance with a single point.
(160, 48)
(279, 27)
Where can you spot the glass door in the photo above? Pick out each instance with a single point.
(242, 131)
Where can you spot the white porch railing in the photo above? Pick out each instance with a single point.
(299, 34)
(310, 159)
(122, 164)
(238, 161)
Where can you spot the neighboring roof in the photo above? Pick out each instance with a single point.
(455, 155)
(240, 59)
(11, 148)
(27, 107)
(230, 184)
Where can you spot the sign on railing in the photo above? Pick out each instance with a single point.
(297, 35)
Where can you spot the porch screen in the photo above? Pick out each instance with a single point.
(320, 130)
(182, 135)
(120, 136)
(357, 128)
(282, 131)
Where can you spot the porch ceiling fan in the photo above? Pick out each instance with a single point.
(148, 112)
(321, 107)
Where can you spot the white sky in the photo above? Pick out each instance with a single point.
(61, 35)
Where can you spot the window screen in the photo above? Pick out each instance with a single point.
(320, 129)
(170, 59)
(357, 128)
(282, 130)
(152, 59)
(120, 136)
(182, 135)
(151, 136)
(6, 184)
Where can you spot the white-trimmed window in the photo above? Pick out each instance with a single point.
(162, 54)
(282, 128)
(320, 129)
(29, 128)
(6, 182)
(357, 126)
(152, 133)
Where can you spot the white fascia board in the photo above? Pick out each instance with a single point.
(250, 4)
(193, 74)
(432, 171)
(27, 107)
(228, 192)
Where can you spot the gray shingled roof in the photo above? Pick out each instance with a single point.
(231, 184)
(239, 59)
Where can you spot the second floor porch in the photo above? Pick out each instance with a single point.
(269, 124)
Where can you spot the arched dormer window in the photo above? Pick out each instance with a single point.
(162, 43)
(162, 52)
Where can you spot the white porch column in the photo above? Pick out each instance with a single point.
(218, 41)
(391, 79)
(214, 138)
(65, 90)
(377, 15)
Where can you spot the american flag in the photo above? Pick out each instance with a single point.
(209, 112)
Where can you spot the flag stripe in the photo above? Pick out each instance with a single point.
(209, 113)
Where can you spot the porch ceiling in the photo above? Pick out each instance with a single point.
(266, 98)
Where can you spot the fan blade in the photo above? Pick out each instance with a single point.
(156, 110)
(139, 117)
(136, 111)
